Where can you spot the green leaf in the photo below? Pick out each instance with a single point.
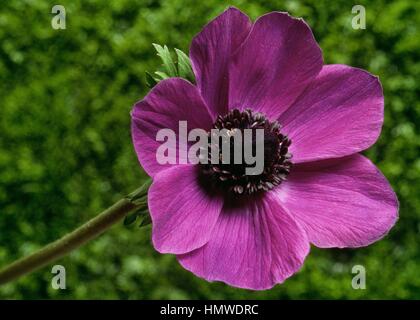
(162, 75)
(150, 80)
(168, 63)
(184, 65)
(130, 218)
(170, 68)
(145, 221)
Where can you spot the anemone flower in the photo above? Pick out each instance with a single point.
(315, 188)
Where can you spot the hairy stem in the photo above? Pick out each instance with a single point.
(76, 238)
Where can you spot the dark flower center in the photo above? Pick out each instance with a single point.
(233, 176)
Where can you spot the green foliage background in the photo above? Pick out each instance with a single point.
(66, 152)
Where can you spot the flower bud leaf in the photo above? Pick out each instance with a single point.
(150, 80)
(145, 221)
(130, 218)
(162, 75)
(184, 65)
(168, 63)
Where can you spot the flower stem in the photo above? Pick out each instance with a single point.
(76, 238)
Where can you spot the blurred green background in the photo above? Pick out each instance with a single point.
(66, 152)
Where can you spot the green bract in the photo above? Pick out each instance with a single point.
(181, 67)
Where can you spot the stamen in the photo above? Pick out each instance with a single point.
(232, 177)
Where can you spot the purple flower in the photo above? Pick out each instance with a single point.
(253, 232)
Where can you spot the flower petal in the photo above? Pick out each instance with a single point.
(274, 65)
(340, 203)
(339, 114)
(210, 54)
(183, 214)
(170, 101)
(252, 246)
